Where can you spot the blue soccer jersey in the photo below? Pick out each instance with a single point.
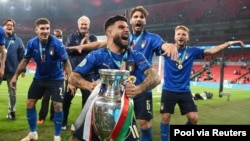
(149, 44)
(2, 36)
(176, 75)
(103, 58)
(48, 58)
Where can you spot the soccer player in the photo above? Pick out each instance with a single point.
(176, 85)
(46, 97)
(113, 56)
(149, 44)
(52, 59)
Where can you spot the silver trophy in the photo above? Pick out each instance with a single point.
(108, 104)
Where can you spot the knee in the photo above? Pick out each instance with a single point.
(166, 118)
(193, 118)
(57, 106)
(144, 124)
(30, 103)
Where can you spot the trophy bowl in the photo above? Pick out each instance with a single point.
(107, 106)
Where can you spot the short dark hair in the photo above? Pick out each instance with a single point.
(40, 21)
(111, 20)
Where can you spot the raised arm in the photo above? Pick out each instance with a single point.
(88, 47)
(223, 46)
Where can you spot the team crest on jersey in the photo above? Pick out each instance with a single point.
(84, 61)
(130, 66)
(51, 51)
(143, 43)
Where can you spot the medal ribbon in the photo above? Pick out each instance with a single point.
(136, 41)
(120, 64)
(124, 120)
(181, 60)
(42, 52)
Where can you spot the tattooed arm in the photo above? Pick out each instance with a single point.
(151, 81)
(78, 81)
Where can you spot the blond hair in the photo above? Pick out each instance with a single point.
(183, 27)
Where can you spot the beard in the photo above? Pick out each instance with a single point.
(119, 43)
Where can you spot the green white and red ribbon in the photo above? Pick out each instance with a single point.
(122, 126)
(125, 118)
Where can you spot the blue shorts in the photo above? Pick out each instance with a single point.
(143, 106)
(184, 100)
(54, 87)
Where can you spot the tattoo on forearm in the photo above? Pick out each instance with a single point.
(76, 80)
(151, 81)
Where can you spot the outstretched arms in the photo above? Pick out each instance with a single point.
(223, 46)
(90, 46)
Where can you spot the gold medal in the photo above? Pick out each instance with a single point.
(43, 58)
(181, 59)
(179, 66)
(132, 79)
(43, 55)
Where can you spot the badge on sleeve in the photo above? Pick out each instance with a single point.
(84, 61)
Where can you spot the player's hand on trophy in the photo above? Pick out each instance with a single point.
(130, 90)
(92, 85)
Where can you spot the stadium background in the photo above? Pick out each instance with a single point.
(211, 22)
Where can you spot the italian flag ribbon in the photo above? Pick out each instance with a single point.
(122, 126)
(124, 121)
